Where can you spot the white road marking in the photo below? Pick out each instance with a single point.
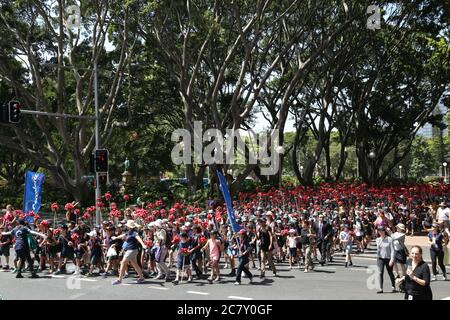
(359, 269)
(158, 288)
(58, 277)
(446, 298)
(240, 298)
(87, 280)
(125, 284)
(76, 296)
(198, 292)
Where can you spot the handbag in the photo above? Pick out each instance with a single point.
(111, 252)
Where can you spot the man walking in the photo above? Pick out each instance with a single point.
(324, 232)
(20, 234)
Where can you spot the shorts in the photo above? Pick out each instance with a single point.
(400, 257)
(112, 258)
(95, 259)
(232, 252)
(4, 251)
(359, 238)
(79, 254)
(187, 262)
(293, 252)
(130, 255)
(67, 254)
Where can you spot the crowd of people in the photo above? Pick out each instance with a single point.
(300, 226)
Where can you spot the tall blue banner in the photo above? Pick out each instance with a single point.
(32, 196)
(226, 195)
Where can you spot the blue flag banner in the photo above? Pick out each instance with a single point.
(32, 196)
(226, 195)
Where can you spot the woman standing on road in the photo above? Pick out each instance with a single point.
(385, 254)
(401, 252)
(436, 240)
(131, 243)
(417, 279)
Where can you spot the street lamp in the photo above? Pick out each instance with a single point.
(400, 167)
(372, 157)
(445, 171)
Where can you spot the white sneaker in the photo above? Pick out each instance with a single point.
(237, 283)
(433, 278)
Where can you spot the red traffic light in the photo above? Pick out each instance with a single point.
(14, 111)
(101, 160)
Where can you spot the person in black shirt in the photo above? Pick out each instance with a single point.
(5, 245)
(67, 249)
(266, 237)
(417, 279)
(20, 234)
(244, 248)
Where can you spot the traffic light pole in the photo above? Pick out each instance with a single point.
(97, 146)
(97, 135)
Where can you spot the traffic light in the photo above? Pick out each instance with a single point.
(102, 179)
(101, 160)
(4, 113)
(14, 111)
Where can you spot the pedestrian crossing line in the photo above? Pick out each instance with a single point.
(76, 296)
(125, 284)
(58, 277)
(88, 280)
(326, 268)
(158, 288)
(359, 269)
(239, 298)
(446, 298)
(198, 292)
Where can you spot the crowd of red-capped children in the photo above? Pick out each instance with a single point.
(277, 226)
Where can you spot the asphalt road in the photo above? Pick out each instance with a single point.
(332, 281)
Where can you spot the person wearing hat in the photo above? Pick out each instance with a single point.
(112, 248)
(130, 247)
(385, 257)
(401, 252)
(436, 241)
(291, 244)
(161, 251)
(95, 248)
(21, 233)
(443, 213)
(244, 248)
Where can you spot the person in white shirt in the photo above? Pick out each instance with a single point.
(443, 213)
(291, 243)
(346, 239)
(401, 252)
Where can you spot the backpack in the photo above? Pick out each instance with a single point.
(32, 242)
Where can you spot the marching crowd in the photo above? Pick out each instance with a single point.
(300, 226)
